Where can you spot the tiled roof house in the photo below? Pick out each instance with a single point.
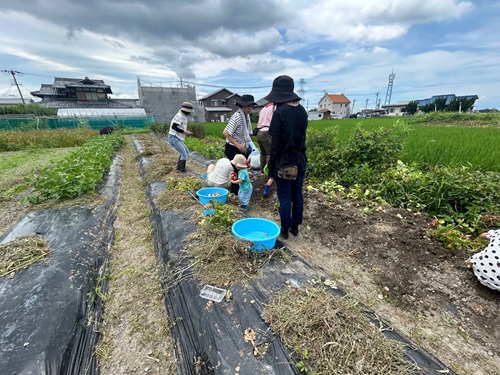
(337, 104)
(80, 93)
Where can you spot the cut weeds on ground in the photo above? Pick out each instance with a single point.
(330, 335)
(20, 253)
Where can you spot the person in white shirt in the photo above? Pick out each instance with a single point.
(177, 134)
(218, 173)
(239, 129)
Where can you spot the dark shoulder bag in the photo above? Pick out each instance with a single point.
(288, 173)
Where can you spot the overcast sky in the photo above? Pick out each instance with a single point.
(434, 47)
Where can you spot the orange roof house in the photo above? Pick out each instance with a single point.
(337, 104)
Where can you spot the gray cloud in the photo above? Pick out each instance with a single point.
(72, 33)
(159, 22)
(266, 66)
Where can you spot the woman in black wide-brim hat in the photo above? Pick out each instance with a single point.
(287, 162)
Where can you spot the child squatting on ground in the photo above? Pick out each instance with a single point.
(243, 179)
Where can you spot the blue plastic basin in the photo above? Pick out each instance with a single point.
(208, 194)
(262, 233)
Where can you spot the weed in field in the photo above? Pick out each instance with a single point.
(11, 140)
(224, 215)
(184, 184)
(210, 147)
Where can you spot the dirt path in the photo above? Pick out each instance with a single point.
(136, 336)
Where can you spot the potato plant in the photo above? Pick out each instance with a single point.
(76, 174)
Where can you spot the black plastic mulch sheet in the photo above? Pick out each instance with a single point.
(50, 311)
(209, 338)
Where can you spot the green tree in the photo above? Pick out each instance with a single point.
(462, 103)
(437, 105)
(411, 107)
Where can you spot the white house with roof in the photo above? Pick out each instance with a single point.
(338, 105)
(396, 109)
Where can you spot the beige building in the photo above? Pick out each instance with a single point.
(338, 105)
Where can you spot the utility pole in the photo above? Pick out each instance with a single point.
(353, 102)
(376, 100)
(13, 72)
(366, 106)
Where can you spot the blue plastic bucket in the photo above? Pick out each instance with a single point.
(262, 233)
(208, 194)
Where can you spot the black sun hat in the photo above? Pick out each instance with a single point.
(282, 90)
(246, 101)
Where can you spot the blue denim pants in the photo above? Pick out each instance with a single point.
(244, 197)
(179, 146)
(291, 198)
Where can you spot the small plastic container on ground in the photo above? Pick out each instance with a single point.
(213, 293)
(208, 194)
(262, 233)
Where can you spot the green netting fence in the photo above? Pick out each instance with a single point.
(14, 123)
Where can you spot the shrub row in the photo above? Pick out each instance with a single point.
(78, 173)
(368, 167)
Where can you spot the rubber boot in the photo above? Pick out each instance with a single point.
(181, 165)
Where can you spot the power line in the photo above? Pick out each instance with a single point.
(37, 75)
(13, 72)
(207, 85)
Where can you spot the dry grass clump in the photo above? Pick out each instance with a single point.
(331, 335)
(174, 199)
(20, 253)
(220, 259)
(157, 171)
(491, 221)
(176, 194)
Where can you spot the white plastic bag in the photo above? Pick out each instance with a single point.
(255, 159)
